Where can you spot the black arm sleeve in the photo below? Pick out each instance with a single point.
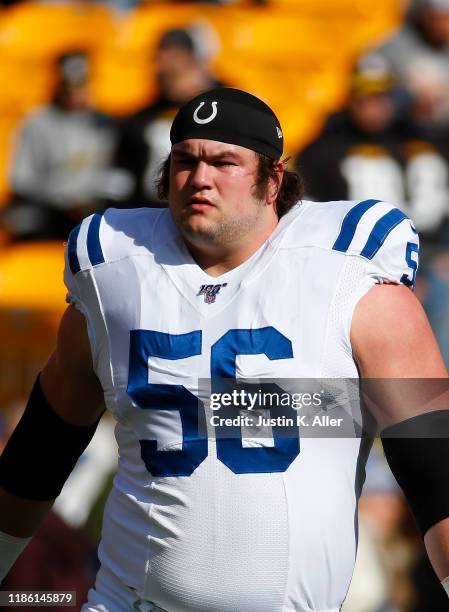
(42, 450)
(417, 451)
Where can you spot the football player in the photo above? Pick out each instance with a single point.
(238, 279)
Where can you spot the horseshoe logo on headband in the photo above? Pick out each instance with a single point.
(208, 119)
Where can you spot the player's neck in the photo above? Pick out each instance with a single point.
(217, 260)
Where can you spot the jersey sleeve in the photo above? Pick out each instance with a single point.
(71, 269)
(82, 251)
(104, 238)
(397, 259)
(384, 237)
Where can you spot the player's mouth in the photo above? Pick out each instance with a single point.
(200, 203)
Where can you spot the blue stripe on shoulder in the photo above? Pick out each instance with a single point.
(94, 250)
(380, 231)
(74, 263)
(350, 223)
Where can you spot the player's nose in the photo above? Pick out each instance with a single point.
(201, 176)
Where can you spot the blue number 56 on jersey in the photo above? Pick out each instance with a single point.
(148, 396)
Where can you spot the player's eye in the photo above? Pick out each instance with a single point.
(185, 161)
(221, 163)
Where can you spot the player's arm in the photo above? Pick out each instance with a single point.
(58, 423)
(392, 339)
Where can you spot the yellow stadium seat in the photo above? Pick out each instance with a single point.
(126, 79)
(27, 338)
(32, 35)
(8, 125)
(31, 277)
(31, 303)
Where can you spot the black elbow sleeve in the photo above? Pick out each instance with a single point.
(417, 451)
(42, 451)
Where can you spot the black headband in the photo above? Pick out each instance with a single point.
(232, 116)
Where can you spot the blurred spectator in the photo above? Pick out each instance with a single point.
(419, 55)
(93, 470)
(373, 149)
(387, 545)
(59, 174)
(182, 73)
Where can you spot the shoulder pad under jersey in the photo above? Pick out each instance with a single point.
(373, 230)
(384, 236)
(108, 236)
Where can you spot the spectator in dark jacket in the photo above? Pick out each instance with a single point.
(374, 149)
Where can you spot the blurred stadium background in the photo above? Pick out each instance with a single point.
(298, 55)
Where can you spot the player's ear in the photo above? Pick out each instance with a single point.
(275, 182)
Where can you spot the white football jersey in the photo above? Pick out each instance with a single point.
(197, 522)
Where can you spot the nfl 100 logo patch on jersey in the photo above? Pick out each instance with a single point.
(210, 292)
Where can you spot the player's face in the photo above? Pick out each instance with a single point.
(212, 195)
